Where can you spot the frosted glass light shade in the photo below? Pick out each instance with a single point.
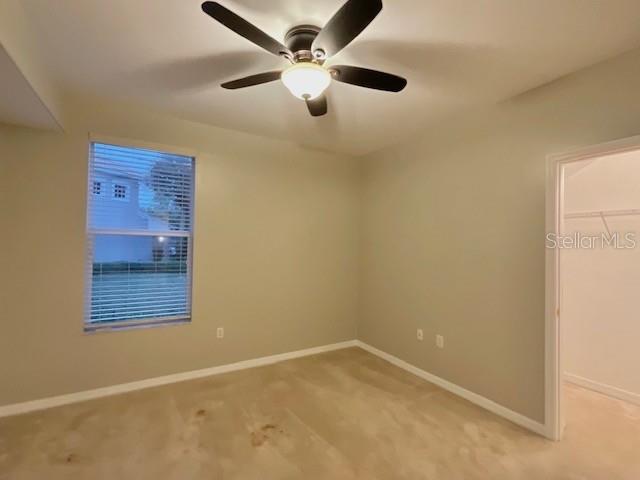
(306, 80)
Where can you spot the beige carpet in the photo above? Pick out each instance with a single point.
(341, 415)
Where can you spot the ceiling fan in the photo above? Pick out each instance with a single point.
(307, 49)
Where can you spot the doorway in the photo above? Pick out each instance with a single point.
(592, 235)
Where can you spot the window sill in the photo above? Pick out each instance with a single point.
(134, 325)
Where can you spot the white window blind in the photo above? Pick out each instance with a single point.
(139, 237)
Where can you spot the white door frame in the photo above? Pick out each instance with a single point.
(554, 416)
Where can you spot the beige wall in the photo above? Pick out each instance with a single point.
(444, 233)
(453, 232)
(600, 301)
(275, 260)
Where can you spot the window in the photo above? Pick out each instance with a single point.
(139, 255)
(119, 191)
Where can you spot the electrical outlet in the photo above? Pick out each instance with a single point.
(420, 334)
(220, 332)
(439, 341)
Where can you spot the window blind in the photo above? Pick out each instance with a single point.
(139, 229)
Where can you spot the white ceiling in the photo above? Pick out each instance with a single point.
(168, 55)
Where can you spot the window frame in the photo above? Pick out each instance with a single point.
(120, 325)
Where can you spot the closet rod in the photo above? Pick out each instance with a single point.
(604, 213)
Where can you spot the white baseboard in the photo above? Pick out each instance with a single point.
(44, 403)
(603, 388)
(50, 402)
(479, 400)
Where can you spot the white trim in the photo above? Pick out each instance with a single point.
(44, 403)
(603, 388)
(133, 143)
(554, 412)
(116, 325)
(479, 400)
(553, 422)
(139, 233)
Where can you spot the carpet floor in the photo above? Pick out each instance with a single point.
(340, 415)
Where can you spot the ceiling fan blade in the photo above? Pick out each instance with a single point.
(252, 80)
(317, 106)
(363, 77)
(344, 26)
(243, 28)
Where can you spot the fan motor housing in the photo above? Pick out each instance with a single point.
(299, 40)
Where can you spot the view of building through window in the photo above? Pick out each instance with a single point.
(139, 264)
(119, 191)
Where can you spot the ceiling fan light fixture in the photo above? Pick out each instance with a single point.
(308, 47)
(306, 80)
